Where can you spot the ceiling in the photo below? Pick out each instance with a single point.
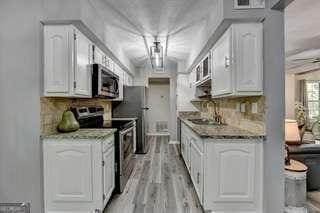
(177, 23)
(302, 28)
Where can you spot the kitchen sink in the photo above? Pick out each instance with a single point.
(203, 121)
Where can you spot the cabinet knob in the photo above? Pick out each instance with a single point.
(97, 211)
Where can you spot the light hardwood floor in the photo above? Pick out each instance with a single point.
(159, 183)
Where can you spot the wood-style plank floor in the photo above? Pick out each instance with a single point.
(159, 183)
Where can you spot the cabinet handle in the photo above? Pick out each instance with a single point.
(226, 62)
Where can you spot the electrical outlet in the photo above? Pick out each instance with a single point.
(254, 108)
(243, 107)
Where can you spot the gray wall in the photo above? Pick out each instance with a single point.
(20, 87)
(274, 84)
(20, 173)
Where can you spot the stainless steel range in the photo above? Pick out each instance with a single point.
(92, 117)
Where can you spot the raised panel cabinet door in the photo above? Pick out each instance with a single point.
(57, 59)
(222, 66)
(196, 160)
(82, 72)
(248, 44)
(98, 56)
(69, 172)
(234, 179)
(108, 174)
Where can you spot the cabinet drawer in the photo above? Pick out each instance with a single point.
(107, 143)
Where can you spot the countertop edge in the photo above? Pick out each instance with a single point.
(60, 136)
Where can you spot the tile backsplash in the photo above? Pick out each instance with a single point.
(230, 110)
(53, 108)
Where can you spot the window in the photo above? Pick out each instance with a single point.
(313, 98)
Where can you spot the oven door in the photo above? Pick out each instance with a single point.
(108, 84)
(126, 139)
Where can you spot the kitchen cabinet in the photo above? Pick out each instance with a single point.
(226, 173)
(196, 171)
(108, 174)
(237, 61)
(185, 148)
(206, 67)
(67, 58)
(99, 57)
(249, 4)
(78, 174)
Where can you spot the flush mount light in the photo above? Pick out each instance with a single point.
(156, 55)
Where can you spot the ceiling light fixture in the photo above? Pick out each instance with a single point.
(156, 55)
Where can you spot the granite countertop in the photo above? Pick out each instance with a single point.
(82, 134)
(221, 131)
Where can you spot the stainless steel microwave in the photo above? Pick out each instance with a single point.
(105, 83)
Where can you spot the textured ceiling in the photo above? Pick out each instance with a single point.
(302, 25)
(177, 23)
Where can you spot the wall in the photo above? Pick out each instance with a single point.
(290, 89)
(53, 108)
(227, 108)
(20, 149)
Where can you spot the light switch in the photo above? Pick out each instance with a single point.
(243, 107)
(254, 108)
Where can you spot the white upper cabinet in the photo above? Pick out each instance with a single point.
(248, 57)
(82, 72)
(249, 4)
(58, 45)
(221, 57)
(67, 56)
(98, 56)
(237, 61)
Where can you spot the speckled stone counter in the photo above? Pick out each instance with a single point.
(221, 132)
(82, 134)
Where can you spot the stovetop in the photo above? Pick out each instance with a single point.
(92, 117)
(118, 124)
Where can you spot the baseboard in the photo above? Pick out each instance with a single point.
(158, 134)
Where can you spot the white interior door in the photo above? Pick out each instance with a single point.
(158, 98)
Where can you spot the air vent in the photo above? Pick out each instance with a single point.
(162, 126)
(14, 207)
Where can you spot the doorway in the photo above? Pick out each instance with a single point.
(159, 106)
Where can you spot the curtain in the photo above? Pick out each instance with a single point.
(303, 98)
(303, 94)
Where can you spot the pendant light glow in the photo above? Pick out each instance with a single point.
(156, 55)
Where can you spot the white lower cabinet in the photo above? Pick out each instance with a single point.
(226, 173)
(196, 171)
(78, 174)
